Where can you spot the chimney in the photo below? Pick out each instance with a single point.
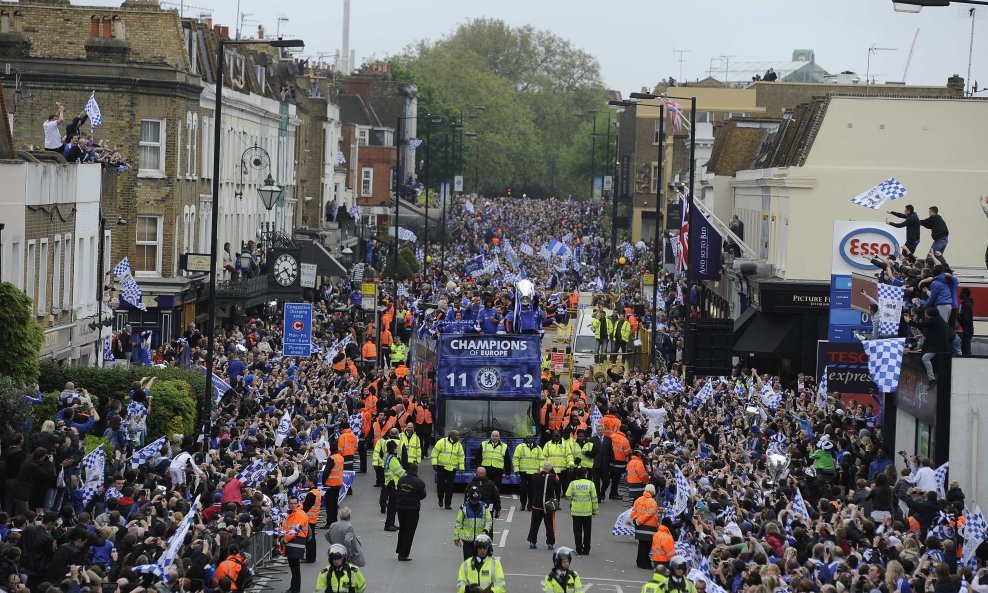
(260, 31)
(207, 19)
(223, 31)
(956, 84)
(359, 85)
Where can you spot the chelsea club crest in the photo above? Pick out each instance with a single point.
(488, 379)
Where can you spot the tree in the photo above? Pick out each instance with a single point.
(13, 408)
(20, 335)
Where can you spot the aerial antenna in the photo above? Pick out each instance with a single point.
(281, 19)
(682, 59)
(871, 50)
(727, 68)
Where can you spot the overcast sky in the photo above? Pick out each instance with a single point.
(634, 39)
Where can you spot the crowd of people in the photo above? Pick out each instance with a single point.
(75, 145)
(739, 483)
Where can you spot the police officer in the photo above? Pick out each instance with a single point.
(494, 457)
(398, 351)
(561, 579)
(340, 576)
(393, 471)
(447, 457)
(582, 496)
(411, 445)
(658, 582)
(411, 493)
(380, 453)
(472, 520)
(527, 460)
(481, 572)
(677, 581)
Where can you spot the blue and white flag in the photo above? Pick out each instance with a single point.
(885, 362)
(567, 237)
(941, 475)
(890, 189)
(682, 495)
(595, 417)
(131, 292)
(414, 143)
(700, 399)
(526, 249)
(355, 213)
(469, 206)
(220, 387)
(698, 575)
(284, 425)
(623, 526)
(94, 465)
(510, 256)
(406, 235)
(108, 349)
(147, 453)
(975, 529)
(557, 248)
(821, 390)
(92, 110)
(889, 310)
(670, 384)
(340, 158)
(348, 476)
(356, 422)
(770, 399)
(175, 542)
(799, 508)
(777, 444)
(728, 515)
(474, 265)
(255, 472)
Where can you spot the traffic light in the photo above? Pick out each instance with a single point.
(509, 191)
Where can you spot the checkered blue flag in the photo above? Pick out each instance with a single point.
(108, 349)
(414, 143)
(740, 389)
(889, 309)
(623, 527)
(132, 293)
(941, 475)
(357, 423)
(277, 515)
(770, 398)
(340, 158)
(670, 384)
(402, 291)
(94, 466)
(122, 269)
(147, 453)
(942, 528)
(821, 390)
(687, 550)
(890, 189)
(975, 529)
(893, 188)
(255, 472)
(348, 476)
(92, 110)
(777, 444)
(682, 495)
(728, 515)
(469, 206)
(526, 249)
(284, 426)
(700, 399)
(406, 235)
(799, 508)
(885, 362)
(175, 542)
(595, 417)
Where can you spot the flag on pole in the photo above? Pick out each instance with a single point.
(175, 542)
(889, 310)
(220, 387)
(675, 115)
(595, 417)
(682, 495)
(885, 362)
(414, 143)
(108, 349)
(670, 384)
(284, 425)
(975, 529)
(700, 399)
(941, 475)
(526, 249)
(94, 465)
(147, 453)
(799, 508)
(821, 390)
(557, 248)
(682, 254)
(340, 158)
(890, 189)
(474, 265)
(406, 235)
(92, 110)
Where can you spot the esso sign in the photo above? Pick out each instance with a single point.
(858, 246)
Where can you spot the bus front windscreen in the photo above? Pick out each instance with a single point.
(477, 418)
(586, 345)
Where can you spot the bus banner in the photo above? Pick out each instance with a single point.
(503, 365)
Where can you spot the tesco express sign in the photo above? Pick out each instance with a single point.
(855, 243)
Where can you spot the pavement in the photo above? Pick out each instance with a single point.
(610, 567)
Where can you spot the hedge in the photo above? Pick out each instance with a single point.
(46, 410)
(173, 411)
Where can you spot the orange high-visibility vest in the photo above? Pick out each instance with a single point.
(386, 339)
(645, 511)
(611, 424)
(370, 403)
(365, 425)
(340, 365)
(636, 471)
(556, 416)
(313, 513)
(620, 447)
(297, 519)
(335, 477)
(380, 431)
(423, 415)
(663, 546)
(369, 350)
(347, 443)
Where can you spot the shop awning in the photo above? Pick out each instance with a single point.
(770, 335)
(326, 264)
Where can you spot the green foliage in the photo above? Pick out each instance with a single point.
(93, 441)
(173, 410)
(44, 411)
(409, 259)
(13, 408)
(397, 268)
(20, 335)
(116, 382)
(531, 83)
(575, 158)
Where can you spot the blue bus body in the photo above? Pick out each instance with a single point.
(480, 383)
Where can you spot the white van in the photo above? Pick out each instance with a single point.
(584, 339)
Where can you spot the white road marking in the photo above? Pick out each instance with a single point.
(514, 496)
(504, 538)
(539, 576)
(511, 514)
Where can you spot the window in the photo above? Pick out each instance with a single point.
(67, 280)
(43, 278)
(56, 276)
(366, 182)
(32, 256)
(207, 148)
(148, 257)
(152, 147)
(655, 135)
(15, 254)
(107, 244)
(178, 149)
(655, 178)
(362, 136)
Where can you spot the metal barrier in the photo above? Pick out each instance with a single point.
(261, 549)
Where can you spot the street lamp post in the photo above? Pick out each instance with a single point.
(428, 162)
(476, 160)
(101, 284)
(214, 223)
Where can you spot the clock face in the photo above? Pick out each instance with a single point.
(285, 269)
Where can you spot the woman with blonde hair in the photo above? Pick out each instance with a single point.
(895, 578)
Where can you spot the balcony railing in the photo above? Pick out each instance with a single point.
(242, 289)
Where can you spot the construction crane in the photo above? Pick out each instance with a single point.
(909, 58)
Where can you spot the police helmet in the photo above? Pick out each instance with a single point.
(561, 554)
(677, 562)
(337, 552)
(482, 541)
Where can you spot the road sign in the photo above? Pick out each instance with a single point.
(556, 361)
(308, 276)
(368, 288)
(458, 183)
(608, 183)
(648, 279)
(298, 329)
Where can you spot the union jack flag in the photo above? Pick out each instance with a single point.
(676, 115)
(683, 255)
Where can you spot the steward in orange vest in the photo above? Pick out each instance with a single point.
(333, 478)
(311, 504)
